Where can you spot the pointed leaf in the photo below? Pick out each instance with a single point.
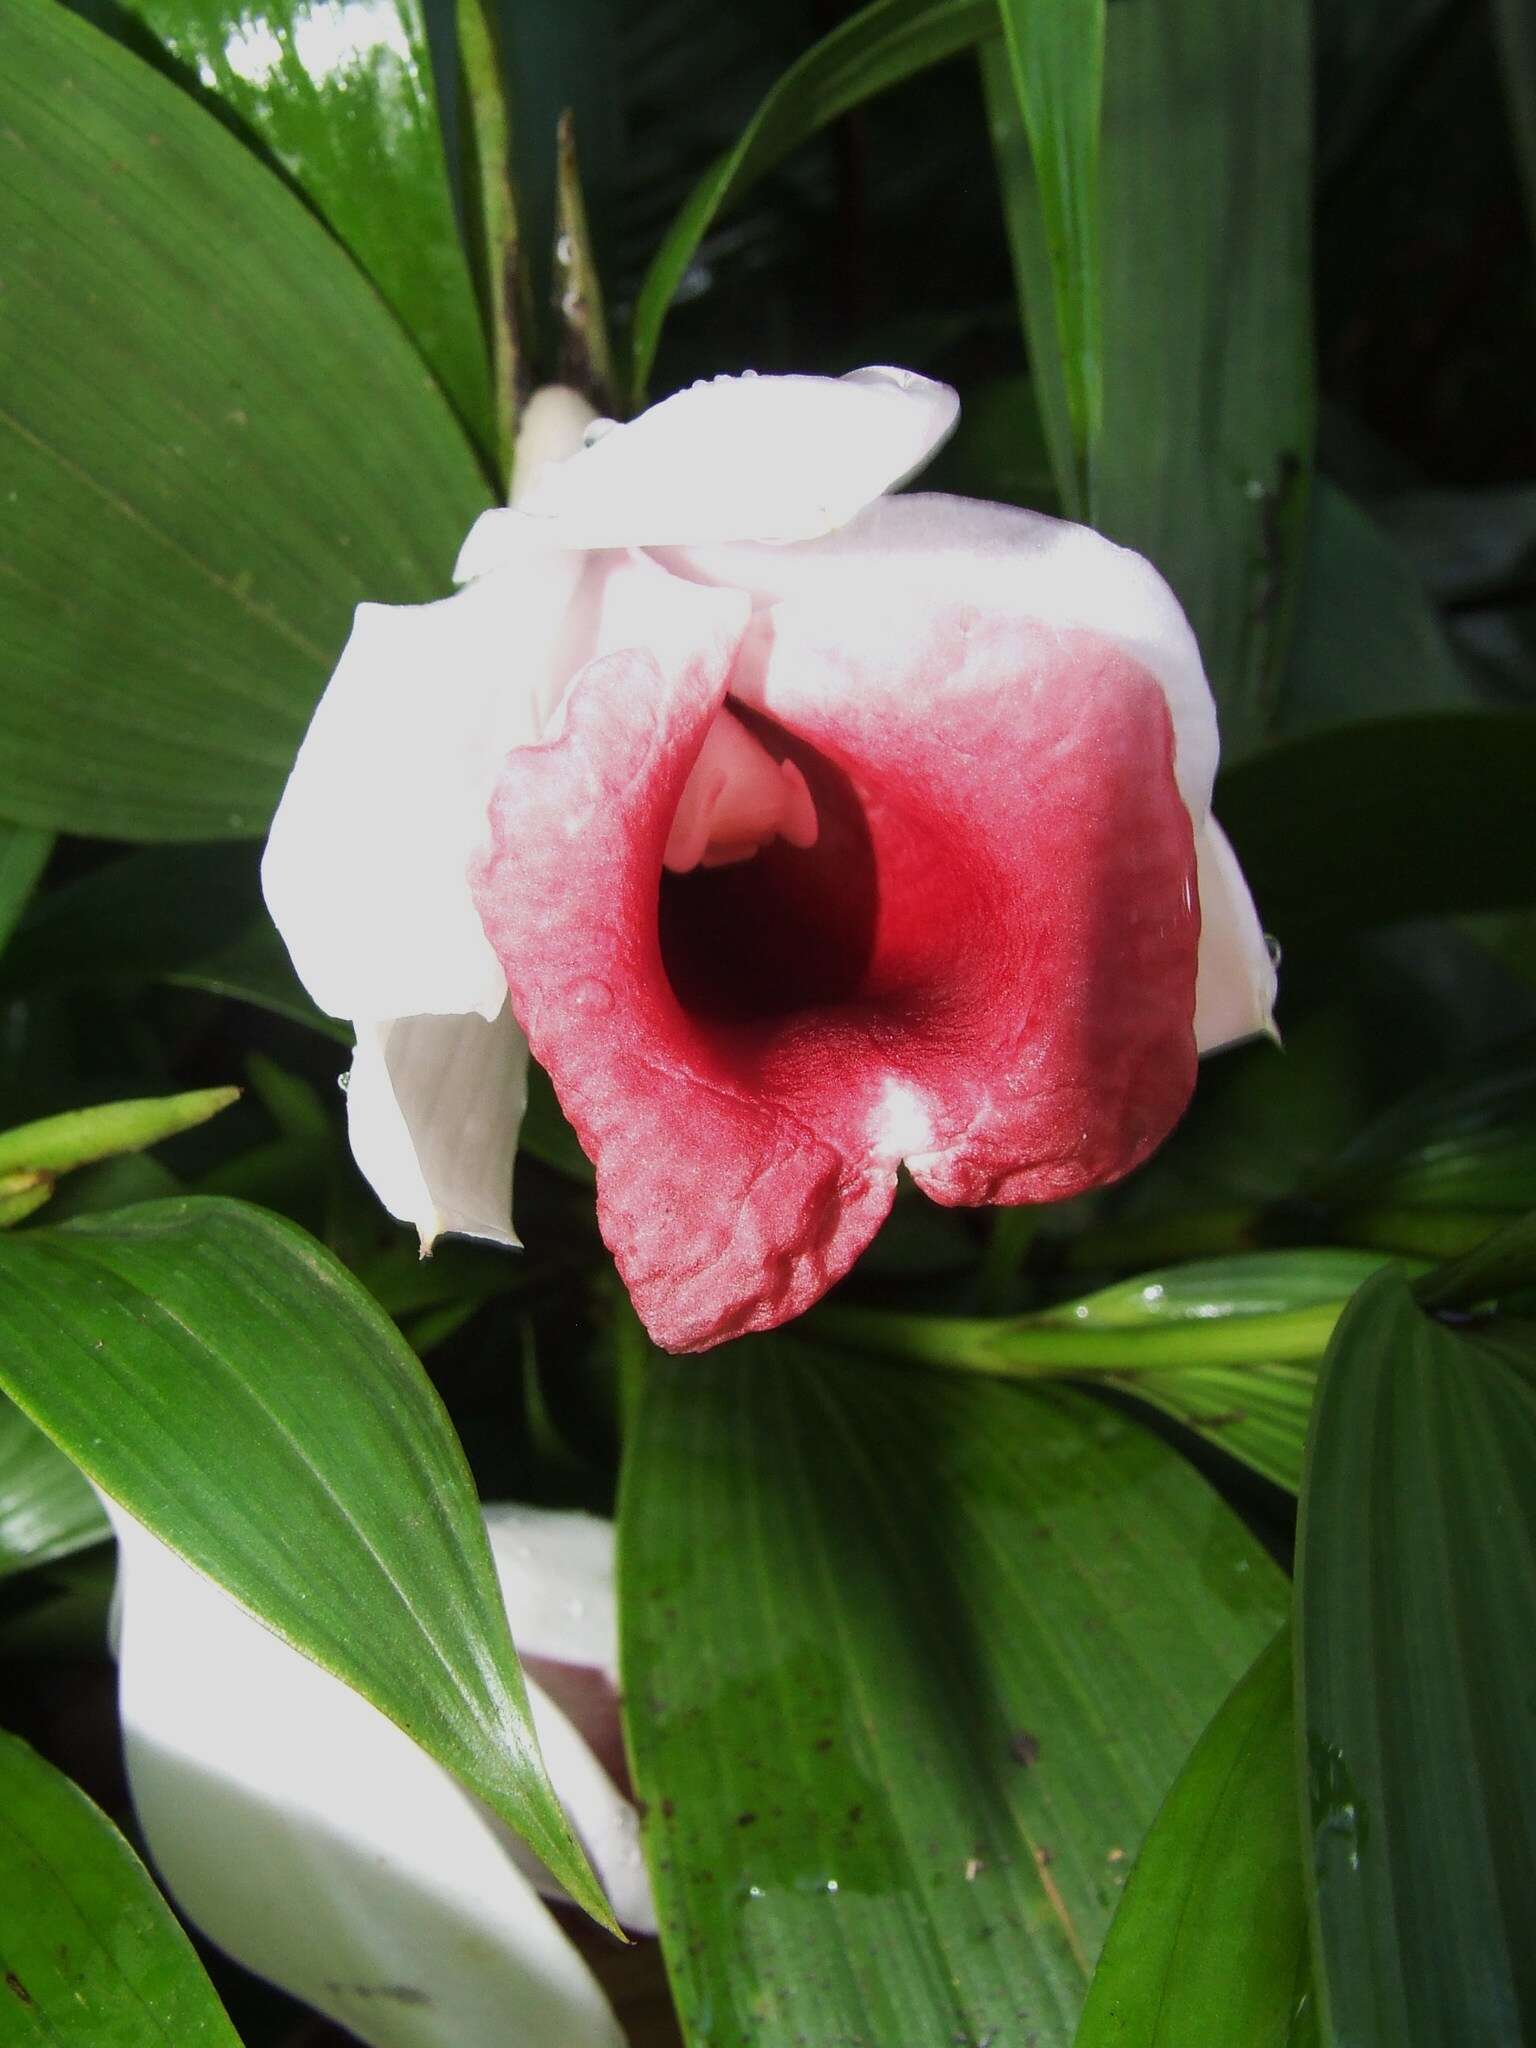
(1416, 1584)
(217, 442)
(1210, 1940)
(909, 1663)
(90, 1954)
(342, 98)
(222, 1377)
(24, 854)
(58, 1144)
(1055, 58)
(872, 50)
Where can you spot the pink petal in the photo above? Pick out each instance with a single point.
(985, 965)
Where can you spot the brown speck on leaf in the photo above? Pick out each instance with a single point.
(667, 1809)
(973, 1868)
(1116, 1856)
(745, 1820)
(17, 1989)
(1044, 1857)
(824, 1742)
(855, 1813)
(1024, 1748)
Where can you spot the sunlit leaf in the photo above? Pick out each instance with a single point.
(340, 95)
(222, 1377)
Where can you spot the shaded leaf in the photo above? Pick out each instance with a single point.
(209, 462)
(1416, 1562)
(1367, 642)
(871, 51)
(90, 1953)
(1515, 25)
(24, 854)
(222, 1377)
(1210, 1940)
(909, 1663)
(1391, 818)
(46, 1509)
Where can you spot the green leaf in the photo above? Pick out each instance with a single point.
(222, 1377)
(1210, 1941)
(1459, 1151)
(1416, 1581)
(1202, 458)
(585, 354)
(1227, 1347)
(1503, 1264)
(501, 276)
(909, 1663)
(24, 854)
(343, 101)
(47, 1510)
(1391, 818)
(189, 916)
(1055, 66)
(877, 48)
(201, 381)
(90, 1954)
(1367, 642)
(58, 1144)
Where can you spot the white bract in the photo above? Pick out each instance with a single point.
(308, 1836)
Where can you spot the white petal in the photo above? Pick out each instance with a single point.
(311, 1839)
(740, 458)
(434, 1105)
(605, 1822)
(556, 1573)
(912, 550)
(364, 871)
(1235, 987)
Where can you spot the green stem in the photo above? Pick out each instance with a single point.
(1039, 1349)
(1013, 1231)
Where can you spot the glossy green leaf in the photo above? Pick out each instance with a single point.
(221, 1376)
(1390, 818)
(1210, 1940)
(877, 48)
(342, 98)
(1416, 1563)
(217, 442)
(1227, 1347)
(24, 854)
(1055, 60)
(909, 1663)
(46, 1509)
(91, 1956)
(58, 1144)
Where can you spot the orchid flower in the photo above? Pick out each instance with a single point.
(308, 1836)
(803, 832)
